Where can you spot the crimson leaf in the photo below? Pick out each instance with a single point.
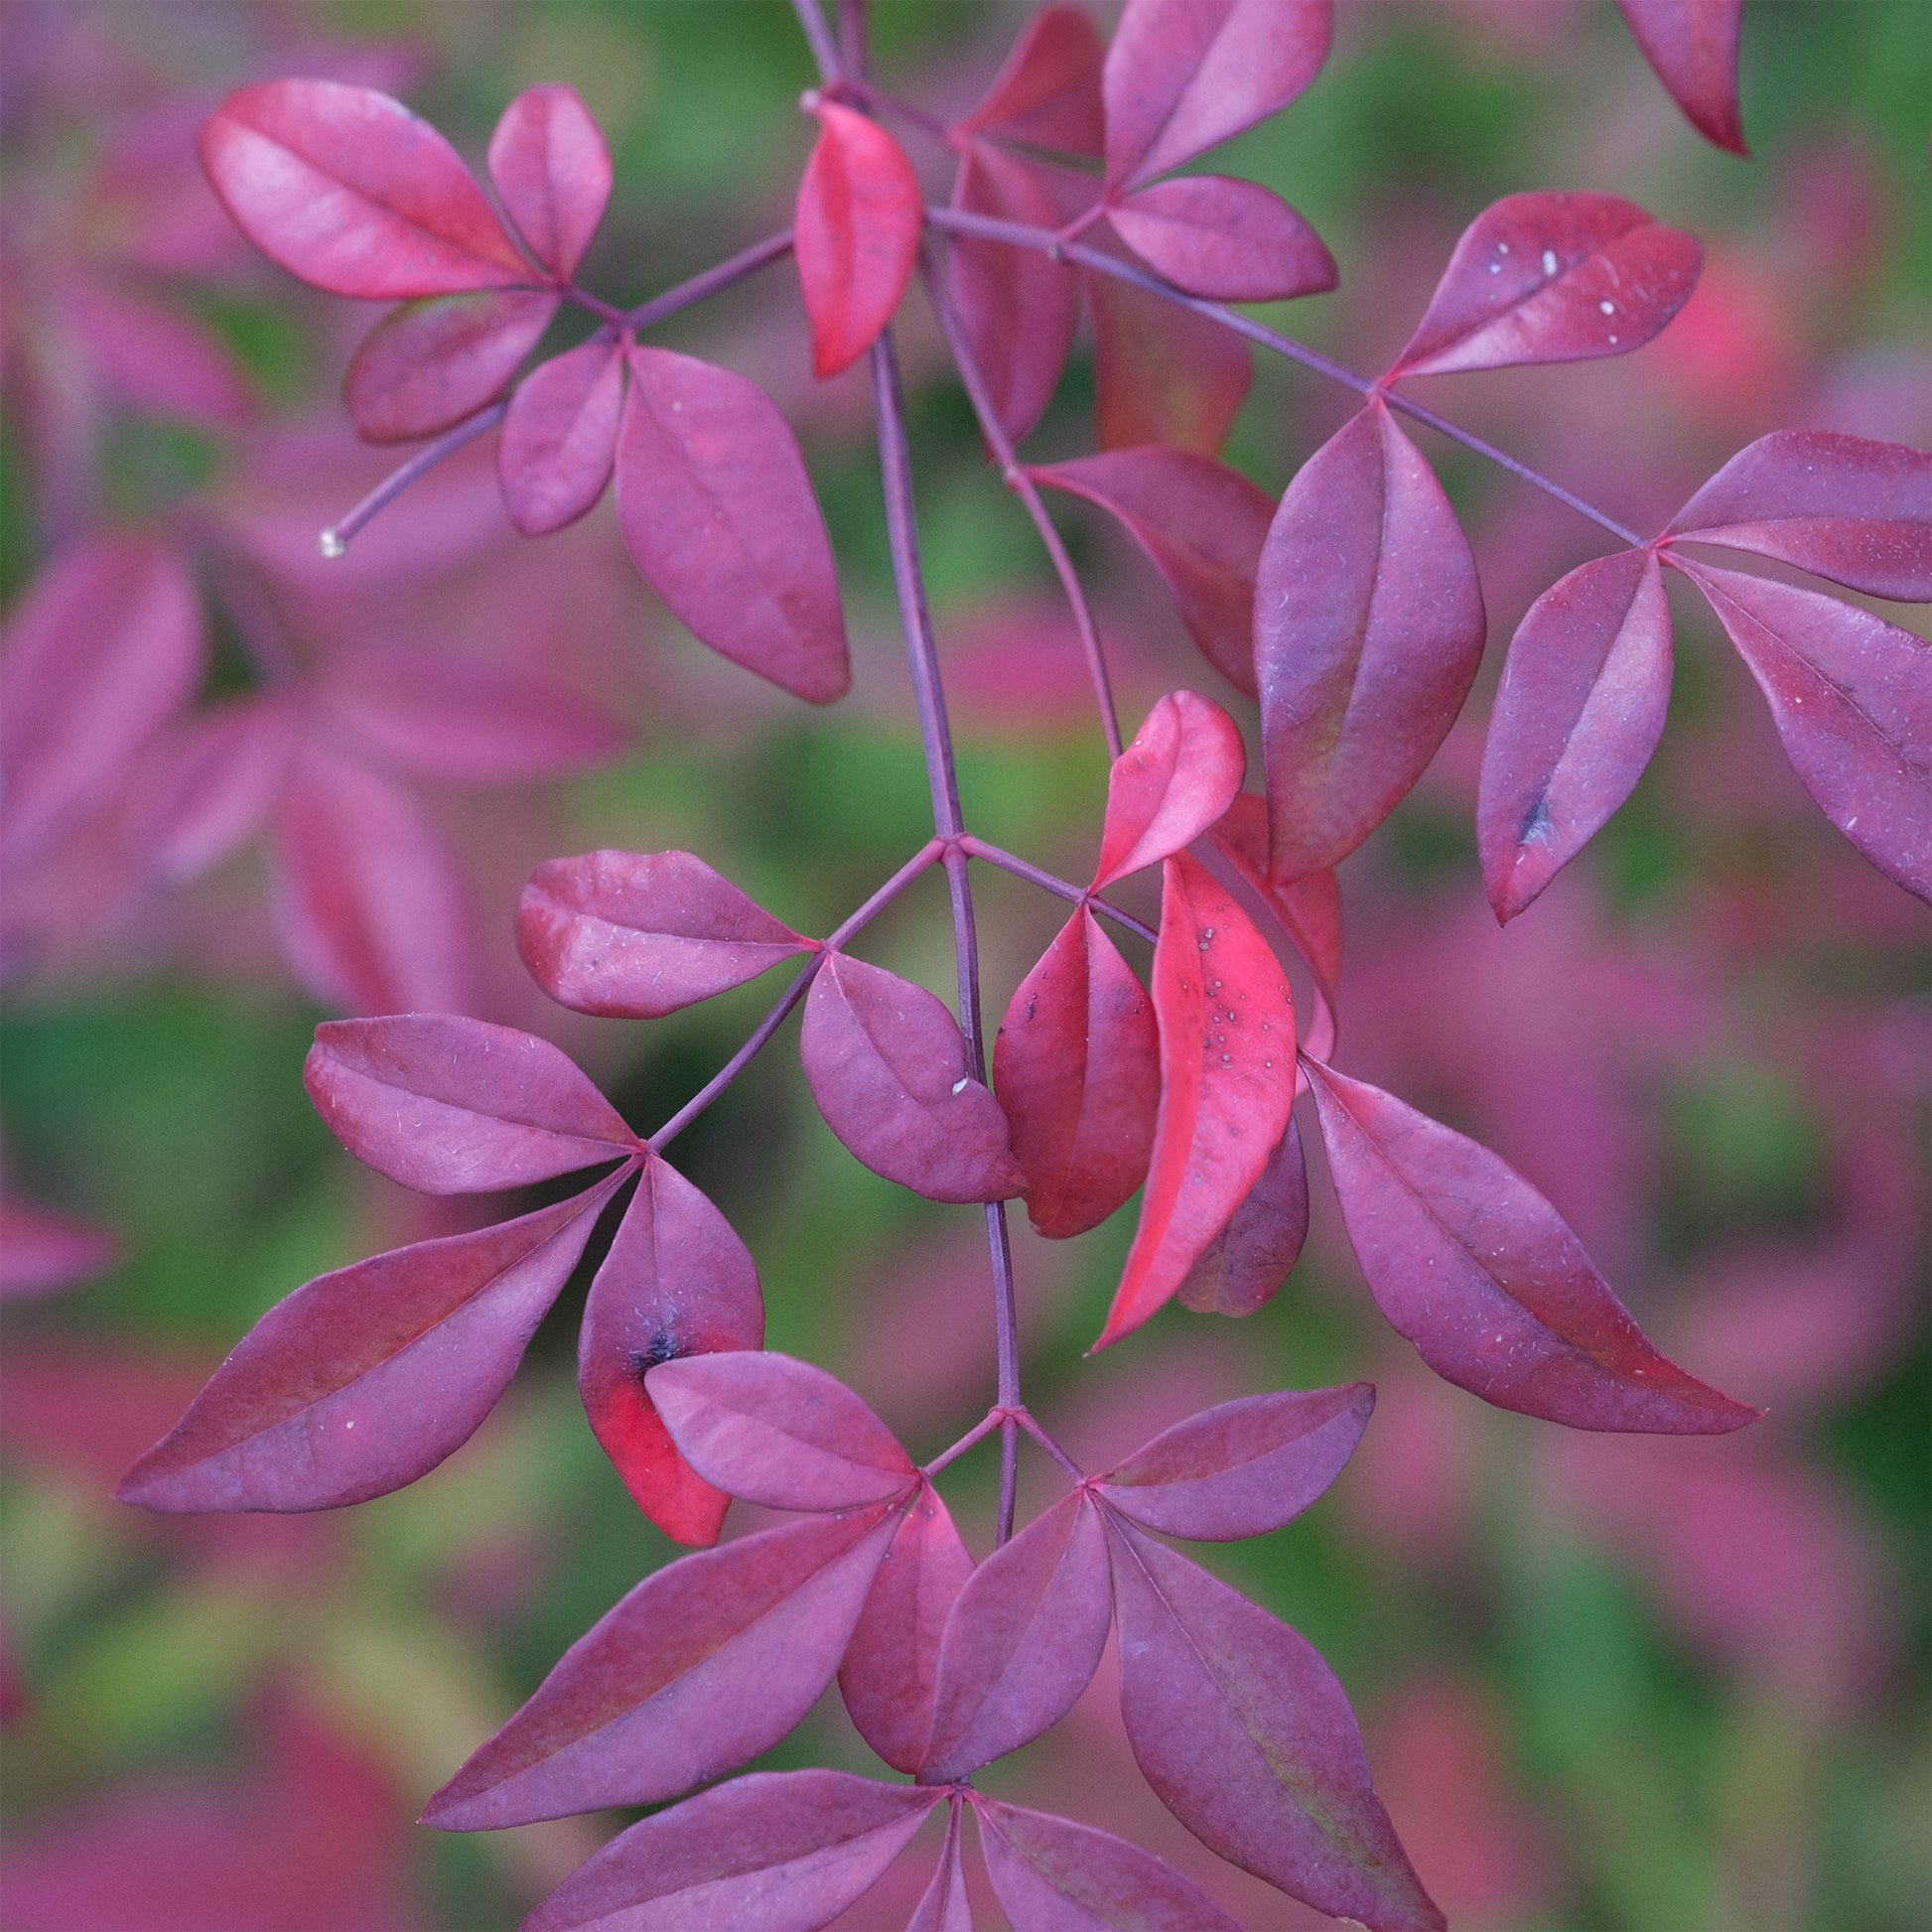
(434, 361)
(1047, 94)
(1177, 779)
(1692, 47)
(548, 160)
(560, 437)
(1228, 240)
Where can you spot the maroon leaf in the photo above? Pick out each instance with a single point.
(1242, 1469)
(348, 190)
(1470, 1263)
(1183, 75)
(856, 233)
(1552, 278)
(363, 1380)
(1247, 1739)
(42, 1252)
(1023, 1641)
(560, 437)
(1047, 95)
(431, 362)
(783, 1850)
(1161, 373)
(887, 1067)
(1077, 1069)
(1053, 1875)
(1855, 511)
(1692, 47)
(1580, 711)
(636, 936)
(891, 1664)
(677, 1282)
(943, 1906)
(1202, 527)
(1368, 628)
(1227, 1083)
(1175, 779)
(717, 512)
(455, 1106)
(1243, 1268)
(1852, 698)
(553, 172)
(705, 1664)
(209, 785)
(1228, 240)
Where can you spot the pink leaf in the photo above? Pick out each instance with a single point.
(1243, 1267)
(1852, 698)
(363, 1380)
(1230, 240)
(1047, 95)
(1023, 1641)
(560, 437)
(430, 362)
(1184, 75)
(1855, 511)
(705, 1664)
(454, 1106)
(1477, 1269)
(1175, 779)
(1580, 711)
(553, 172)
(782, 1850)
(348, 190)
(887, 1067)
(1200, 524)
(1053, 1875)
(1692, 47)
(1227, 1083)
(1552, 278)
(944, 1906)
(1242, 1469)
(42, 1252)
(1077, 1069)
(1161, 373)
(677, 1282)
(856, 234)
(636, 936)
(208, 785)
(152, 357)
(717, 512)
(1368, 629)
(891, 1664)
(1244, 1734)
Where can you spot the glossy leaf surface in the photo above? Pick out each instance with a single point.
(1161, 373)
(1228, 240)
(1692, 47)
(1243, 1268)
(560, 438)
(1176, 778)
(552, 171)
(1047, 94)
(434, 361)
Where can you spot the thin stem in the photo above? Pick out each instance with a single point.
(734, 268)
(1025, 1417)
(876, 100)
(852, 38)
(336, 540)
(594, 304)
(818, 36)
(921, 861)
(982, 1429)
(1050, 882)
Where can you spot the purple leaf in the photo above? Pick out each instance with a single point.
(553, 172)
(210, 784)
(1230, 240)
(560, 438)
(1578, 713)
(1247, 1739)
(1177, 779)
(363, 1380)
(1047, 95)
(1368, 629)
(1692, 47)
(887, 1065)
(1163, 373)
(636, 936)
(1477, 1269)
(1243, 1268)
(42, 1252)
(152, 357)
(430, 363)
(943, 1906)
(705, 1664)
(717, 512)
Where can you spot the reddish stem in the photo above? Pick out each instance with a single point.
(1053, 883)
(987, 1424)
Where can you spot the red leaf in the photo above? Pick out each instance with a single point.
(1692, 47)
(1047, 95)
(42, 1252)
(430, 363)
(1244, 1467)
(365, 1379)
(1184, 75)
(1580, 711)
(856, 234)
(1227, 1083)
(887, 1067)
(1228, 240)
(1053, 1875)
(717, 512)
(891, 1664)
(553, 172)
(1023, 1641)
(1200, 524)
(1477, 1269)
(1552, 278)
(209, 786)
(1368, 629)
(1077, 1069)
(560, 437)
(782, 1850)
(348, 190)
(705, 1664)
(779, 1431)
(1161, 373)
(943, 1906)
(677, 1282)
(1855, 511)
(1175, 779)
(455, 1106)
(1243, 1268)
(1852, 698)
(1247, 1739)
(636, 936)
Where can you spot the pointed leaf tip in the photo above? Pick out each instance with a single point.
(1177, 779)
(552, 169)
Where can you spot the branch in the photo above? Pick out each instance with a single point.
(1050, 882)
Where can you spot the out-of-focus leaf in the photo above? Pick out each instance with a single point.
(1692, 47)
(1047, 94)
